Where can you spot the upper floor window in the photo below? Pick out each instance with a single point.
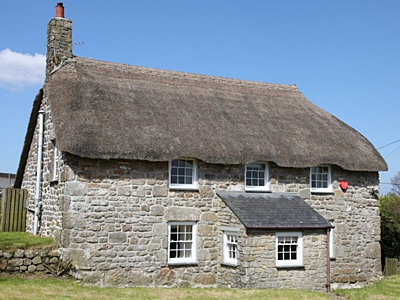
(320, 179)
(257, 177)
(289, 249)
(183, 174)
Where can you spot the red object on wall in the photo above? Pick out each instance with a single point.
(344, 184)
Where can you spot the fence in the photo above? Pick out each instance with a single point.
(13, 210)
(392, 266)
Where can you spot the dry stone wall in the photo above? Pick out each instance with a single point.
(29, 261)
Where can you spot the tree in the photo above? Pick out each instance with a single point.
(395, 181)
(390, 225)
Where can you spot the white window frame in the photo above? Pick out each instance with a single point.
(183, 260)
(298, 262)
(184, 186)
(56, 162)
(263, 188)
(329, 180)
(228, 257)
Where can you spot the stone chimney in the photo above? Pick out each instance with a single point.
(59, 40)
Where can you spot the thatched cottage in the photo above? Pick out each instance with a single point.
(148, 177)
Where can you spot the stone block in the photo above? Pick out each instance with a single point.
(117, 237)
(160, 191)
(37, 260)
(75, 188)
(160, 229)
(78, 257)
(206, 191)
(54, 253)
(8, 254)
(32, 268)
(115, 277)
(209, 216)
(16, 262)
(40, 267)
(139, 278)
(65, 203)
(166, 277)
(3, 264)
(205, 279)
(373, 250)
(183, 214)
(157, 210)
(160, 255)
(204, 230)
(72, 220)
(19, 253)
(124, 191)
(305, 193)
(31, 253)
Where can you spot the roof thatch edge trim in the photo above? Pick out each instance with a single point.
(28, 139)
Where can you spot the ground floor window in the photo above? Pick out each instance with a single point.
(231, 253)
(182, 242)
(289, 249)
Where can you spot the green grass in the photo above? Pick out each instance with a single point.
(19, 288)
(16, 287)
(387, 288)
(22, 240)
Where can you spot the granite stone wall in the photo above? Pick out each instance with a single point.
(115, 216)
(51, 188)
(29, 261)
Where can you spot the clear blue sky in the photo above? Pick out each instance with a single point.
(343, 55)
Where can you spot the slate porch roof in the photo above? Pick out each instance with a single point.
(273, 210)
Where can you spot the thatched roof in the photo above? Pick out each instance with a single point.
(112, 111)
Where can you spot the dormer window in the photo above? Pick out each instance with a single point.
(183, 174)
(257, 177)
(320, 179)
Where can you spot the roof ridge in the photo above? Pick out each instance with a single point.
(194, 76)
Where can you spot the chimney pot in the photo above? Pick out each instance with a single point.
(60, 10)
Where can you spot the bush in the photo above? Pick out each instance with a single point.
(390, 226)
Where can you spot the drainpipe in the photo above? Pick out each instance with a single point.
(38, 174)
(328, 261)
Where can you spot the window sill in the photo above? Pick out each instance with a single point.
(322, 192)
(182, 188)
(290, 267)
(182, 264)
(258, 191)
(228, 264)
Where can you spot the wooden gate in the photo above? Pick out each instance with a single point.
(13, 210)
(392, 266)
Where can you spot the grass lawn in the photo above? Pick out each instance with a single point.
(41, 288)
(387, 288)
(22, 240)
(16, 287)
(32, 289)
